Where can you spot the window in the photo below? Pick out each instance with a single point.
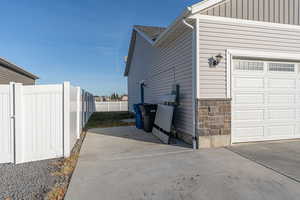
(244, 65)
(281, 67)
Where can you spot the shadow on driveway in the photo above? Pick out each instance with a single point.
(133, 133)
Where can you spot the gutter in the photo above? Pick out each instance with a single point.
(195, 76)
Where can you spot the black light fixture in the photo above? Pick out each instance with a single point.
(215, 60)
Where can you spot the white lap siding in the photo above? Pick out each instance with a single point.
(216, 36)
(161, 68)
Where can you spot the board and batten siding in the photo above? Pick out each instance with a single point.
(7, 75)
(161, 68)
(217, 36)
(277, 11)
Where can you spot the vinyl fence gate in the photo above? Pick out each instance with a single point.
(41, 121)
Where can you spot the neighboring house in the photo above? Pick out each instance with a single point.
(10, 72)
(98, 98)
(124, 98)
(237, 64)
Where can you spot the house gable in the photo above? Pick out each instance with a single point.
(276, 11)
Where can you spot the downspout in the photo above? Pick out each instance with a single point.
(194, 71)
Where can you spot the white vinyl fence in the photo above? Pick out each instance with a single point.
(41, 121)
(112, 106)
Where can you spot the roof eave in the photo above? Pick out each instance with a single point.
(191, 10)
(144, 35)
(170, 28)
(130, 52)
(18, 69)
(204, 5)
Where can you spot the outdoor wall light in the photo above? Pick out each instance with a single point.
(215, 60)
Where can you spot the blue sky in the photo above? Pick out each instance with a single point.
(82, 41)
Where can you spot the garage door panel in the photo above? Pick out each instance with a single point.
(274, 83)
(246, 124)
(281, 130)
(281, 99)
(297, 134)
(266, 107)
(247, 132)
(249, 115)
(298, 114)
(241, 98)
(248, 82)
(282, 114)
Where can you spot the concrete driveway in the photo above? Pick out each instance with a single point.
(282, 157)
(128, 164)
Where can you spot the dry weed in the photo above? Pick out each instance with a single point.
(67, 167)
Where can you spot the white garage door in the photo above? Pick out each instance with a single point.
(266, 101)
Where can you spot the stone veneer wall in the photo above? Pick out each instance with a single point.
(213, 122)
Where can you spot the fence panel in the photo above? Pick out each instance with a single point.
(73, 115)
(6, 141)
(41, 121)
(73, 97)
(111, 106)
(40, 135)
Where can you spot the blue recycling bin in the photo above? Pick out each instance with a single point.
(138, 116)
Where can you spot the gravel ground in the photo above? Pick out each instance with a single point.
(28, 181)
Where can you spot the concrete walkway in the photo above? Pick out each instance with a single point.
(125, 163)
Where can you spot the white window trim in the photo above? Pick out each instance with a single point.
(230, 53)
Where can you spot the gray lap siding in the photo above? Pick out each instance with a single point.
(160, 68)
(7, 76)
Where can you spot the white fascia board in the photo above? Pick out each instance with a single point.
(246, 22)
(144, 36)
(204, 5)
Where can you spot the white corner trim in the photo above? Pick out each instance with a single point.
(203, 5)
(197, 59)
(144, 36)
(246, 22)
(228, 73)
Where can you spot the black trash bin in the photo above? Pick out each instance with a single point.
(148, 115)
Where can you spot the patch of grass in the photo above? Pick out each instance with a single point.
(109, 119)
